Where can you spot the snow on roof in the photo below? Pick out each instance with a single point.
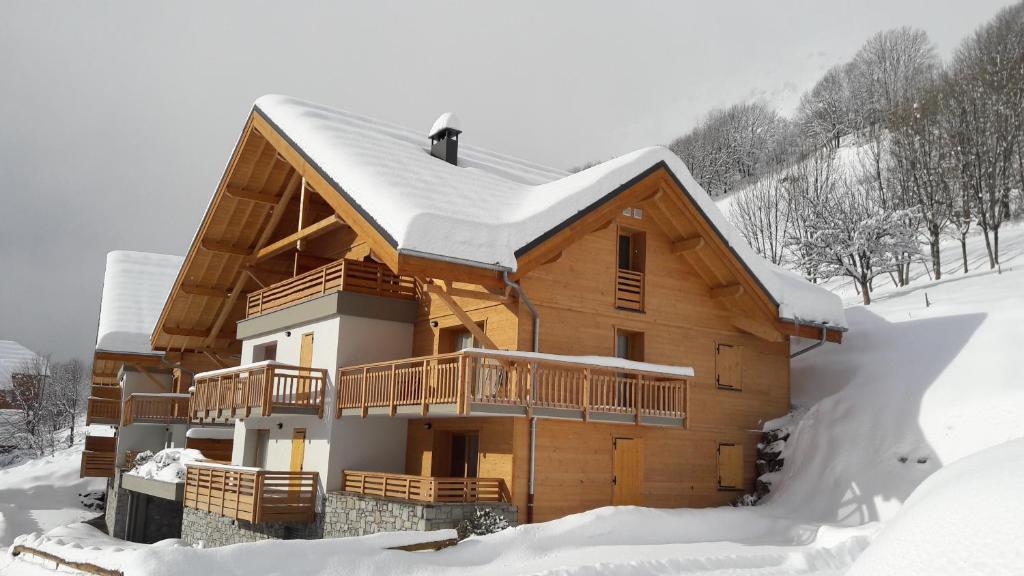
(13, 359)
(135, 287)
(487, 208)
(447, 120)
(602, 361)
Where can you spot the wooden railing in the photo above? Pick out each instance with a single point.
(103, 410)
(98, 457)
(629, 290)
(483, 378)
(347, 275)
(160, 408)
(104, 391)
(250, 494)
(264, 386)
(425, 488)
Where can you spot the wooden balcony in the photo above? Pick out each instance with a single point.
(155, 409)
(258, 389)
(103, 410)
(105, 391)
(98, 457)
(342, 275)
(251, 494)
(495, 382)
(629, 290)
(425, 488)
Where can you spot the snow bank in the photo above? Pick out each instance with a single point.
(602, 361)
(966, 519)
(135, 287)
(486, 209)
(167, 465)
(911, 389)
(212, 433)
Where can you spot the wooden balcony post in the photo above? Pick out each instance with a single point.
(391, 390)
(268, 390)
(462, 390)
(586, 394)
(636, 397)
(530, 373)
(363, 397)
(423, 389)
(323, 280)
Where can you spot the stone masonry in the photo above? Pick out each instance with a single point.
(347, 514)
(209, 530)
(116, 514)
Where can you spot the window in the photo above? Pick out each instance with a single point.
(728, 366)
(457, 338)
(629, 276)
(730, 466)
(266, 351)
(631, 250)
(629, 345)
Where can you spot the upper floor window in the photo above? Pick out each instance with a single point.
(263, 352)
(629, 277)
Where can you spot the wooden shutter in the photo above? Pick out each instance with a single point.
(728, 366)
(730, 466)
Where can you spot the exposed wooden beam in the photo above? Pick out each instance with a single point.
(475, 294)
(225, 248)
(809, 332)
(189, 332)
(193, 290)
(729, 291)
(216, 359)
(461, 314)
(762, 330)
(149, 376)
(248, 271)
(687, 245)
(252, 195)
(287, 242)
(275, 218)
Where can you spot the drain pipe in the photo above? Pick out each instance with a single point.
(824, 336)
(533, 419)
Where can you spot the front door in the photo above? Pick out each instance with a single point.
(298, 449)
(628, 471)
(305, 361)
(465, 454)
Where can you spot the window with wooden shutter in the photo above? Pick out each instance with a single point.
(730, 466)
(728, 366)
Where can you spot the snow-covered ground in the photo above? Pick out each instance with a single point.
(905, 456)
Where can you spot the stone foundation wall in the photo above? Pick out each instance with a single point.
(154, 519)
(347, 514)
(116, 513)
(208, 530)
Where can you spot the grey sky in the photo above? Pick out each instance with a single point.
(116, 118)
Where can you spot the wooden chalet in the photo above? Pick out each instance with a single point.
(404, 317)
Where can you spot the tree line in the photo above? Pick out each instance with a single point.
(888, 152)
(43, 406)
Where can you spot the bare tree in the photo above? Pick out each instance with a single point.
(46, 400)
(824, 115)
(762, 214)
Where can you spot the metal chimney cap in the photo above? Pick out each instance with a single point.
(446, 121)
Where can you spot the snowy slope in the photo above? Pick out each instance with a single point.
(937, 383)
(42, 494)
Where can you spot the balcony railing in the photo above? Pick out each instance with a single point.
(105, 391)
(503, 382)
(425, 488)
(251, 494)
(103, 410)
(98, 457)
(629, 290)
(155, 408)
(342, 275)
(264, 388)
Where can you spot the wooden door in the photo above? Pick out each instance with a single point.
(628, 472)
(298, 449)
(730, 466)
(465, 454)
(305, 385)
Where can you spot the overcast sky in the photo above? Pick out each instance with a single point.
(117, 118)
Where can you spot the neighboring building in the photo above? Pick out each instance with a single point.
(138, 400)
(14, 360)
(426, 328)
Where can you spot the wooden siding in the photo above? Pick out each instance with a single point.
(253, 496)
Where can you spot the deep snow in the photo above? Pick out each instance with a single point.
(909, 382)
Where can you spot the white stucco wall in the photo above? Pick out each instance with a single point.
(332, 445)
(145, 436)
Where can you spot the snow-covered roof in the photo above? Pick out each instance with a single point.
(135, 287)
(13, 359)
(448, 120)
(490, 207)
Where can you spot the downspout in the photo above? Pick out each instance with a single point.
(824, 337)
(533, 419)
